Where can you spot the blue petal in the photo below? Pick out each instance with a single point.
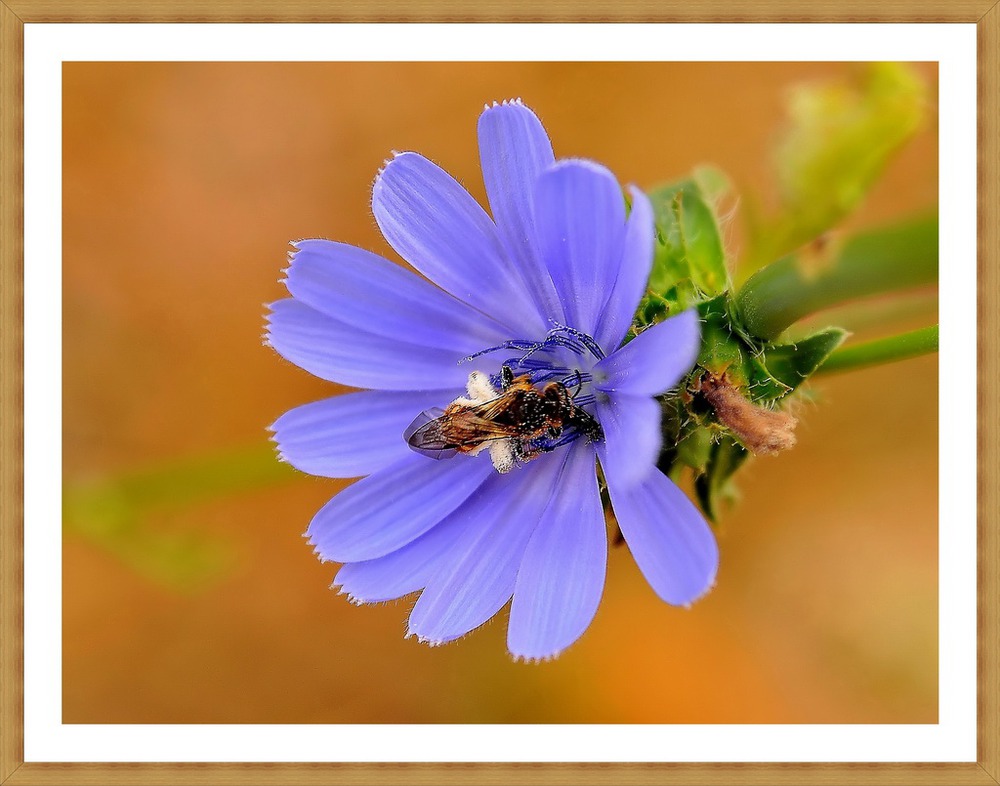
(670, 541)
(580, 220)
(632, 437)
(338, 352)
(390, 508)
(633, 274)
(436, 226)
(354, 434)
(405, 570)
(476, 578)
(368, 292)
(514, 150)
(655, 360)
(561, 578)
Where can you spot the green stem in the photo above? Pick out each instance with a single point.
(875, 316)
(883, 350)
(871, 263)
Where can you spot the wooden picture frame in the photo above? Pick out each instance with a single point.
(14, 14)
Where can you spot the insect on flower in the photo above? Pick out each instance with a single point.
(517, 423)
(508, 355)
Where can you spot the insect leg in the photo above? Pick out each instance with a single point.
(574, 380)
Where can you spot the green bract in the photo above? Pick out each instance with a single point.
(690, 262)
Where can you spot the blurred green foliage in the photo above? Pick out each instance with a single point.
(839, 139)
(117, 512)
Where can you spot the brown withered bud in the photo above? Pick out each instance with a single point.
(761, 431)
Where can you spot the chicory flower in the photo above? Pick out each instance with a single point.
(545, 289)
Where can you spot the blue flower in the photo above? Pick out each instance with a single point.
(548, 288)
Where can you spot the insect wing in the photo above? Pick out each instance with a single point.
(477, 424)
(464, 428)
(425, 435)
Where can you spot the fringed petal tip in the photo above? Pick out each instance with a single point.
(535, 659)
(425, 640)
(271, 308)
(377, 183)
(282, 458)
(306, 244)
(297, 246)
(704, 593)
(268, 317)
(355, 600)
(387, 161)
(272, 437)
(290, 258)
(315, 549)
(504, 102)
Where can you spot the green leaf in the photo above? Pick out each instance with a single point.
(714, 487)
(784, 367)
(723, 349)
(695, 449)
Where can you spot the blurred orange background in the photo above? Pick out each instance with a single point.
(183, 183)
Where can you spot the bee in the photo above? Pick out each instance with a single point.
(517, 423)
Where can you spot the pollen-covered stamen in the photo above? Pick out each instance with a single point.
(586, 341)
(565, 355)
(514, 343)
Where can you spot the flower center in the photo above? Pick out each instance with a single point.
(536, 403)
